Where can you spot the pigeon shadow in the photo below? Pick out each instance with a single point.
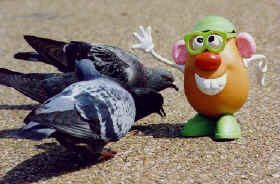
(18, 107)
(168, 130)
(55, 161)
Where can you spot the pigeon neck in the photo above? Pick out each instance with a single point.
(152, 78)
(85, 70)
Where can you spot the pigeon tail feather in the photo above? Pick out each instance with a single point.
(50, 51)
(7, 75)
(33, 131)
(29, 56)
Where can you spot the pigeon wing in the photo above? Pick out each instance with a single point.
(37, 86)
(108, 63)
(57, 83)
(30, 85)
(97, 112)
(60, 113)
(51, 51)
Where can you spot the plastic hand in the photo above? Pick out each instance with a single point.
(144, 38)
(145, 43)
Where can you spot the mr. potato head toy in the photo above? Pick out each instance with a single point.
(213, 58)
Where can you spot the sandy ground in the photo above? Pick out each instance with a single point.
(153, 152)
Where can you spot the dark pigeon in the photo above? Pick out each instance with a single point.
(94, 112)
(37, 86)
(122, 66)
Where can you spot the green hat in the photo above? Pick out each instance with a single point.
(216, 23)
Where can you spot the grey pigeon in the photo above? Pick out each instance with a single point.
(42, 86)
(94, 112)
(120, 65)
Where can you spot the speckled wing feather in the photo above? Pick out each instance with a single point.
(105, 61)
(63, 55)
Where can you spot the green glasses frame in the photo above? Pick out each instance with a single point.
(205, 36)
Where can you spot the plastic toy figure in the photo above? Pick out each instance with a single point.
(213, 58)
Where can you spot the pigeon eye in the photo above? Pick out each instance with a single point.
(167, 78)
(215, 41)
(197, 42)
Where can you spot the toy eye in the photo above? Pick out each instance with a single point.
(197, 42)
(215, 41)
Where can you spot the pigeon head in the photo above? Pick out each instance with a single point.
(160, 79)
(143, 95)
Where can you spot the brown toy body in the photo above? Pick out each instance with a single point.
(235, 92)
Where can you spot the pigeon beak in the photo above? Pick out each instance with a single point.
(161, 112)
(174, 87)
(170, 81)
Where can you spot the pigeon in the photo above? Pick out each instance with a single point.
(94, 111)
(120, 65)
(42, 86)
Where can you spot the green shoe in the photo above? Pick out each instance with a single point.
(199, 126)
(227, 128)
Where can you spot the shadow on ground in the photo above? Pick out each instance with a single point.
(162, 130)
(18, 107)
(167, 130)
(54, 162)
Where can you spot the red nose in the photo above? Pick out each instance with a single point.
(208, 61)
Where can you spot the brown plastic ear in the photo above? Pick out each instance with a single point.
(179, 52)
(246, 45)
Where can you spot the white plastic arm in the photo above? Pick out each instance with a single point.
(145, 43)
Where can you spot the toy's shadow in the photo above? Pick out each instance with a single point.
(54, 162)
(167, 130)
(163, 130)
(18, 107)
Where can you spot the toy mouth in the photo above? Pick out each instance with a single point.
(211, 87)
